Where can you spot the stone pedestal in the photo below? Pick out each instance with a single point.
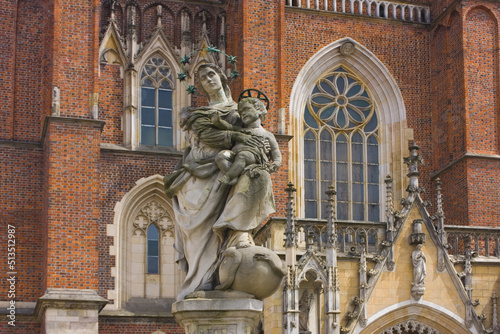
(230, 316)
(70, 311)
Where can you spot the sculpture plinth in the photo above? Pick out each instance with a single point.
(231, 316)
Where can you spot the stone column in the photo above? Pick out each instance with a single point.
(69, 311)
(238, 316)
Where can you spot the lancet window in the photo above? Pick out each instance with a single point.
(341, 147)
(153, 250)
(156, 103)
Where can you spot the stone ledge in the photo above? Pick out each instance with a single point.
(467, 155)
(18, 144)
(69, 120)
(119, 149)
(200, 304)
(74, 299)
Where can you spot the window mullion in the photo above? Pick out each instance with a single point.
(157, 111)
(349, 176)
(365, 176)
(334, 165)
(318, 174)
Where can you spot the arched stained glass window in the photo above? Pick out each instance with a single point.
(156, 103)
(153, 251)
(341, 146)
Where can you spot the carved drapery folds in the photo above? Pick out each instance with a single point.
(419, 272)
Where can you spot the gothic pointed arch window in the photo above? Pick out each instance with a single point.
(341, 146)
(156, 117)
(153, 249)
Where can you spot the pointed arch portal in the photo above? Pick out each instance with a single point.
(410, 317)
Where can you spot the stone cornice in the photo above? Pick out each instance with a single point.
(17, 144)
(113, 148)
(68, 120)
(465, 156)
(69, 299)
(283, 137)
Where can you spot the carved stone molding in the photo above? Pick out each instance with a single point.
(201, 316)
(417, 237)
(411, 325)
(347, 49)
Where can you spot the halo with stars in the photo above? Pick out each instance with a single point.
(211, 49)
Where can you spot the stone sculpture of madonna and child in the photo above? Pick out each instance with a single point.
(216, 212)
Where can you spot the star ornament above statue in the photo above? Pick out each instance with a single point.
(211, 49)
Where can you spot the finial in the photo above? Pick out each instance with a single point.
(330, 227)
(390, 196)
(222, 30)
(439, 212)
(290, 223)
(495, 326)
(204, 22)
(158, 17)
(131, 26)
(310, 240)
(113, 18)
(413, 162)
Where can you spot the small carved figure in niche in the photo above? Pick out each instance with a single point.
(233, 162)
(203, 16)
(419, 272)
(56, 98)
(304, 308)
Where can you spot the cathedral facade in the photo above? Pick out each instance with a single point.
(387, 200)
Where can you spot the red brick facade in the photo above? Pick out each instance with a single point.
(60, 185)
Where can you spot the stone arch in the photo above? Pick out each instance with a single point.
(423, 314)
(385, 93)
(145, 204)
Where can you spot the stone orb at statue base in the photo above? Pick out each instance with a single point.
(254, 270)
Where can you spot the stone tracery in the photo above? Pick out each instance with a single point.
(153, 212)
(411, 326)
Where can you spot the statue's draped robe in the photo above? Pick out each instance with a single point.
(204, 208)
(419, 272)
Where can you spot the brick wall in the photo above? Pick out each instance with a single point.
(144, 326)
(111, 104)
(7, 68)
(21, 206)
(465, 120)
(71, 203)
(481, 60)
(20, 328)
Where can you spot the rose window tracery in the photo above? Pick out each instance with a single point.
(341, 147)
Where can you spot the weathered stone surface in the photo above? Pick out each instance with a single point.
(255, 270)
(231, 316)
(68, 311)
